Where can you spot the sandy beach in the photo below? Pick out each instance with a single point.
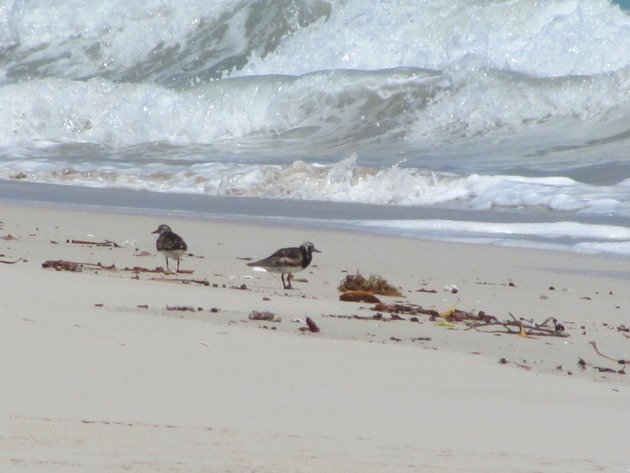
(111, 369)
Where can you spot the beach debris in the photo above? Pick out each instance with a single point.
(449, 312)
(354, 316)
(359, 296)
(602, 369)
(108, 243)
(202, 282)
(451, 288)
(421, 339)
(374, 284)
(264, 315)
(429, 291)
(312, 326)
(183, 308)
(157, 269)
(445, 324)
(619, 361)
(410, 309)
(475, 321)
(8, 237)
(144, 253)
(523, 327)
(10, 262)
(62, 265)
(78, 266)
(504, 361)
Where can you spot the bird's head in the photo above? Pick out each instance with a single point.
(309, 247)
(161, 229)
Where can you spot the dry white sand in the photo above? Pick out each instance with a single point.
(97, 374)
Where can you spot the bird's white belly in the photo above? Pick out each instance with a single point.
(282, 269)
(174, 254)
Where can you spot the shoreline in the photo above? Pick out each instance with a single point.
(502, 227)
(104, 375)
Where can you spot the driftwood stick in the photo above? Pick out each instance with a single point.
(202, 282)
(60, 265)
(505, 325)
(536, 329)
(181, 308)
(520, 324)
(10, 262)
(74, 265)
(620, 361)
(95, 243)
(140, 269)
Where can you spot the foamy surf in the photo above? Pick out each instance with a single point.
(345, 181)
(485, 106)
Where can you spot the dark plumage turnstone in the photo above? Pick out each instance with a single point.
(170, 244)
(288, 261)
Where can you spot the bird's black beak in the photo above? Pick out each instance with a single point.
(316, 250)
(156, 231)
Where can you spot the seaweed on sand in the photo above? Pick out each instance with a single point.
(374, 284)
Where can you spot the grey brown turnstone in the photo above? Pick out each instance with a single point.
(288, 261)
(170, 244)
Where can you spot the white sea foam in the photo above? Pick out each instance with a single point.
(469, 105)
(344, 181)
(559, 38)
(333, 111)
(568, 235)
(518, 77)
(558, 230)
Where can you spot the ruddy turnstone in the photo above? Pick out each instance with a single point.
(170, 244)
(288, 261)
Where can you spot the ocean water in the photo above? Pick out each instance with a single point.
(503, 122)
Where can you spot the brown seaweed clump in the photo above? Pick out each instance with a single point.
(374, 285)
(359, 296)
